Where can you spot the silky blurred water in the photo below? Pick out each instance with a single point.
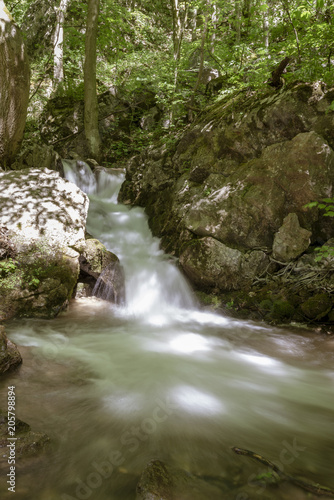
(115, 387)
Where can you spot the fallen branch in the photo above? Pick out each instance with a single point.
(316, 489)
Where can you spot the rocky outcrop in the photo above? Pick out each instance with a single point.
(9, 354)
(229, 197)
(44, 217)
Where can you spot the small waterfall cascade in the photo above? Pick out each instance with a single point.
(154, 287)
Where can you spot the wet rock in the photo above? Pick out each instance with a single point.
(28, 443)
(291, 240)
(101, 272)
(163, 482)
(9, 354)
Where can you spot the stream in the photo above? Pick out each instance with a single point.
(162, 378)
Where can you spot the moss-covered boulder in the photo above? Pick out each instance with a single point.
(39, 282)
(9, 354)
(318, 306)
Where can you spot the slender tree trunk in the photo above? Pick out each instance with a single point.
(14, 87)
(193, 16)
(266, 29)
(91, 114)
(287, 10)
(238, 16)
(214, 17)
(58, 51)
(178, 28)
(200, 72)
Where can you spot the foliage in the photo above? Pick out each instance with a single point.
(327, 206)
(244, 40)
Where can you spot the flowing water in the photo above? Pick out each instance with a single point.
(116, 386)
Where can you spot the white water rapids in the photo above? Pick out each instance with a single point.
(161, 378)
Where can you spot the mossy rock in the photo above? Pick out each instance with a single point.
(318, 306)
(28, 443)
(282, 309)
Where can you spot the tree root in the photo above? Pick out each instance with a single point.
(316, 489)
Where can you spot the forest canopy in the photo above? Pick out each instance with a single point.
(176, 47)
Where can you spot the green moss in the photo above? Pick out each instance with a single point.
(282, 309)
(318, 306)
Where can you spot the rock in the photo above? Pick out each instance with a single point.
(38, 154)
(9, 353)
(39, 282)
(163, 482)
(104, 267)
(211, 264)
(291, 240)
(318, 306)
(222, 192)
(28, 443)
(37, 204)
(150, 119)
(46, 217)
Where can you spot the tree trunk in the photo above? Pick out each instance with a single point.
(91, 105)
(14, 87)
(58, 51)
(178, 28)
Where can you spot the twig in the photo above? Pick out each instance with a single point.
(316, 489)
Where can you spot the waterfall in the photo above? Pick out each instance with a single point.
(154, 287)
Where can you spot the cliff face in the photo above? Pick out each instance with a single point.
(229, 199)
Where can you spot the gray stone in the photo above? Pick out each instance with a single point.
(9, 353)
(291, 240)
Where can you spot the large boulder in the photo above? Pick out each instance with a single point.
(45, 217)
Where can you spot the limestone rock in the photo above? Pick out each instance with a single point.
(37, 204)
(45, 217)
(9, 353)
(211, 264)
(291, 240)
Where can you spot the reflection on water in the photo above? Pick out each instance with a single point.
(115, 387)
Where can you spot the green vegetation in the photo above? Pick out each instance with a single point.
(174, 49)
(326, 205)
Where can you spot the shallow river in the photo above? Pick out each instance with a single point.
(116, 386)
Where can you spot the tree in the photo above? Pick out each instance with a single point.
(91, 117)
(14, 86)
(58, 70)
